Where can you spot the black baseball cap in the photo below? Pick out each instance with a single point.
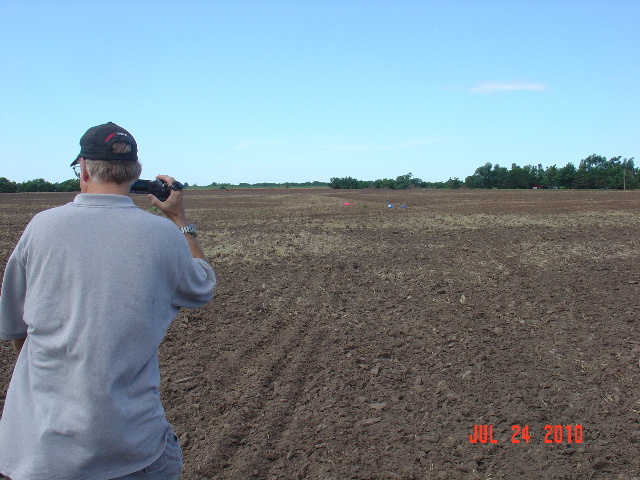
(96, 143)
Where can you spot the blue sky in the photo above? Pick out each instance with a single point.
(275, 91)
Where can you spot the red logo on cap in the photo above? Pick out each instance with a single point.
(113, 135)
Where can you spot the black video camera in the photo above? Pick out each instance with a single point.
(155, 187)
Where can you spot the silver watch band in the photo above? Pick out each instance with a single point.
(190, 229)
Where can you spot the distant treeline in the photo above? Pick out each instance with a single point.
(39, 185)
(400, 183)
(594, 172)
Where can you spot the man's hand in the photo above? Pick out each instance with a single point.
(172, 207)
(17, 344)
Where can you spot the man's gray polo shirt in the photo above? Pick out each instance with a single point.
(94, 284)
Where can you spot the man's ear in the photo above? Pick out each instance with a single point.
(84, 175)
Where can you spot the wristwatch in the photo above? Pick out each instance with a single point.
(190, 229)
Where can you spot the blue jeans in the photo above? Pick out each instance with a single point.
(167, 467)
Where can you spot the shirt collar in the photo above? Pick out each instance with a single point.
(102, 200)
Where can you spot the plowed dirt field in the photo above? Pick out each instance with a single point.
(367, 342)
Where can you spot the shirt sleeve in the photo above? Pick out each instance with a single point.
(197, 285)
(12, 297)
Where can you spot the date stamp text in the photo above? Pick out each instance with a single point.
(564, 434)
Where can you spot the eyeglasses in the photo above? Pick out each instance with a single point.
(77, 169)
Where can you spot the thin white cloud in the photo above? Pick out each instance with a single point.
(497, 87)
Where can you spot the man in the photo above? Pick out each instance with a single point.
(87, 297)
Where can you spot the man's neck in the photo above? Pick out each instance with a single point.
(107, 188)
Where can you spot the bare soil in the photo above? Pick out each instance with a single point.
(366, 342)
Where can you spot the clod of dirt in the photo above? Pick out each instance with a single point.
(371, 421)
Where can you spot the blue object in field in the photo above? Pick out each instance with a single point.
(391, 205)
(403, 206)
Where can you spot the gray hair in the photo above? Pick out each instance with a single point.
(114, 171)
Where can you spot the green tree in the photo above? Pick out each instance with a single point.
(37, 185)
(591, 172)
(518, 177)
(488, 176)
(385, 183)
(551, 177)
(567, 176)
(403, 181)
(72, 185)
(484, 176)
(7, 186)
(630, 176)
(454, 183)
(343, 183)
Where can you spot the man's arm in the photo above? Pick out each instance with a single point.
(196, 249)
(17, 344)
(174, 209)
